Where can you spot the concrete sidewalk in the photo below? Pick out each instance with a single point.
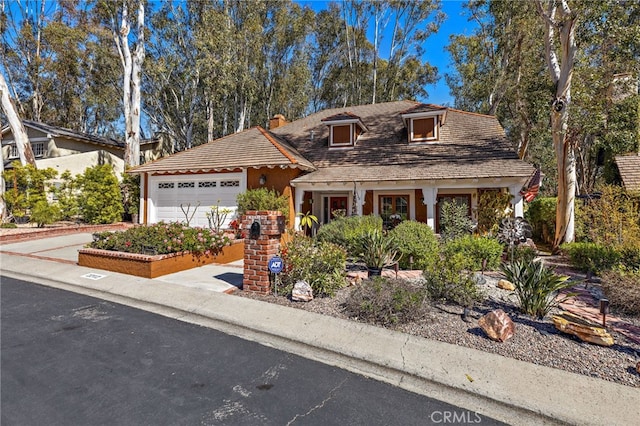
(512, 391)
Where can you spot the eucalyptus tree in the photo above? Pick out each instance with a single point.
(173, 93)
(130, 46)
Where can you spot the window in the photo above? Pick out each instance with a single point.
(38, 149)
(229, 183)
(13, 152)
(424, 129)
(341, 135)
(186, 184)
(207, 184)
(393, 209)
(165, 185)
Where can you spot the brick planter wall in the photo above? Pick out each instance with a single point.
(257, 252)
(155, 266)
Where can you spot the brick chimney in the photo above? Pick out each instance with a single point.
(277, 121)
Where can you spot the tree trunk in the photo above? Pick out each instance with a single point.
(560, 17)
(132, 70)
(17, 129)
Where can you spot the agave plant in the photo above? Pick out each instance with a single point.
(378, 250)
(536, 286)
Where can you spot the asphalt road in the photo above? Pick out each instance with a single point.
(68, 359)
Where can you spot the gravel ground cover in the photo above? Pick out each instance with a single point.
(536, 341)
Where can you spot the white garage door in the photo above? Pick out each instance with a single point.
(173, 198)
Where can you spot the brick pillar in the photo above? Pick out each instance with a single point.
(258, 251)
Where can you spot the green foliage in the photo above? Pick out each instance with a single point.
(44, 213)
(130, 188)
(161, 238)
(9, 225)
(630, 257)
(536, 286)
(307, 220)
(454, 220)
(613, 219)
(263, 199)
(493, 206)
(541, 214)
(67, 196)
(592, 257)
(347, 231)
(622, 288)
(386, 302)
(415, 240)
(100, 200)
(447, 280)
(29, 187)
(475, 252)
(320, 263)
(522, 252)
(378, 250)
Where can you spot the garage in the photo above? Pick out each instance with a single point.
(172, 198)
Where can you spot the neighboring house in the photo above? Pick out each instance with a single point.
(629, 168)
(64, 149)
(398, 158)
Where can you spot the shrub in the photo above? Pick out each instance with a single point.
(67, 196)
(536, 286)
(262, 199)
(100, 200)
(630, 257)
(29, 187)
(446, 280)
(320, 263)
(493, 206)
(8, 225)
(386, 302)
(130, 190)
(161, 238)
(613, 217)
(591, 256)
(44, 213)
(524, 253)
(541, 214)
(347, 231)
(454, 220)
(474, 251)
(417, 241)
(623, 291)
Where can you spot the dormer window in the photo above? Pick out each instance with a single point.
(424, 129)
(423, 123)
(344, 130)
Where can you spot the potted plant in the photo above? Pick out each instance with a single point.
(378, 251)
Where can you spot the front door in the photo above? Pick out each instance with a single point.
(337, 206)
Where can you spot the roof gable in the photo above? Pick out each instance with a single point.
(629, 167)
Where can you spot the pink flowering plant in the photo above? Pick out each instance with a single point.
(161, 238)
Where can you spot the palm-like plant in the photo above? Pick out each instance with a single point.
(536, 286)
(378, 250)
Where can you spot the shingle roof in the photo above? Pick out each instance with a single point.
(254, 147)
(72, 134)
(629, 167)
(470, 145)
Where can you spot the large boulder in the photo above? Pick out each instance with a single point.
(582, 329)
(497, 325)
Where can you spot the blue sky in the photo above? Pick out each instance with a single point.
(455, 23)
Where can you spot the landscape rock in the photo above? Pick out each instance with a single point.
(497, 325)
(302, 292)
(582, 329)
(506, 285)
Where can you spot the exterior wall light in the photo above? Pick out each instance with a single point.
(263, 179)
